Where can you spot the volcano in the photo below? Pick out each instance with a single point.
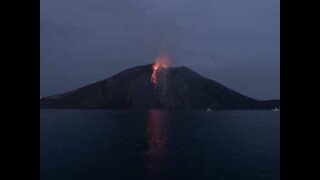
(176, 88)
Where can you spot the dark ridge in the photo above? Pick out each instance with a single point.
(177, 88)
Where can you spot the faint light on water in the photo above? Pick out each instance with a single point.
(157, 144)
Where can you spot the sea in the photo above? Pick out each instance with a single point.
(159, 145)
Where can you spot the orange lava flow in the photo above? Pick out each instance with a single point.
(160, 62)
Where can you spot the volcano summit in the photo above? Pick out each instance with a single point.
(174, 88)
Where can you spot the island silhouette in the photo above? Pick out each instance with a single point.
(155, 87)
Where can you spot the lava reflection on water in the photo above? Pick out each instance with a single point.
(157, 143)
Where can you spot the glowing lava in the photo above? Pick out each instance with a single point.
(160, 62)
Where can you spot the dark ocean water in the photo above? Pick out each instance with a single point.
(159, 145)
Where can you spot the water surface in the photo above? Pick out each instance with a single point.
(159, 145)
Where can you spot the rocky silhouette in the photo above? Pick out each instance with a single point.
(176, 88)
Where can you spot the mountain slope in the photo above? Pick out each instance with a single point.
(177, 88)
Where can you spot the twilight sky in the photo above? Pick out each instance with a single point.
(235, 42)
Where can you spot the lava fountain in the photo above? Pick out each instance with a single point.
(161, 62)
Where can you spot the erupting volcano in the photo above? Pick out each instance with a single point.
(155, 86)
(160, 63)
